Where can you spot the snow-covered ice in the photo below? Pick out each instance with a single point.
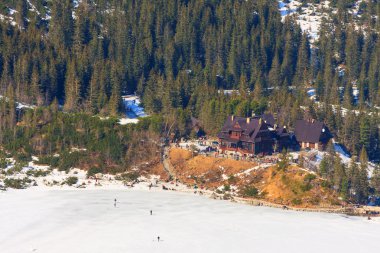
(36, 220)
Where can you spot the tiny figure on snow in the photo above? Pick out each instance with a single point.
(115, 203)
(151, 212)
(158, 238)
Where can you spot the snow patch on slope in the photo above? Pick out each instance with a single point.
(308, 16)
(134, 110)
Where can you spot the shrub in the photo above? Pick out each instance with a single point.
(17, 168)
(37, 173)
(218, 191)
(93, 171)
(227, 188)
(251, 191)
(296, 202)
(71, 181)
(48, 160)
(69, 160)
(232, 179)
(3, 163)
(283, 162)
(310, 177)
(129, 177)
(306, 187)
(325, 184)
(22, 157)
(16, 183)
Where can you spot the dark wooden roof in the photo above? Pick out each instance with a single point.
(281, 131)
(269, 119)
(310, 131)
(249, 129)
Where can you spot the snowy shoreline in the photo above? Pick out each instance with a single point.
(57, 180)
(111, 184)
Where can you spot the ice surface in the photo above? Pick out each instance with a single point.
(86, 221)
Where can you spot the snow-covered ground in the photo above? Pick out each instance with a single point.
(86, 221)
(133, 108)
(19, 105)
(309, 16)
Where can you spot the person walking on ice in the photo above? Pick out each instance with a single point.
(114, 203)
(151, 212)
(158, 239)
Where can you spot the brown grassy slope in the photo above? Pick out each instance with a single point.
(202, 170)
(293, 187)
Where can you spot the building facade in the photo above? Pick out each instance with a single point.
(247, 136)
(312, 134)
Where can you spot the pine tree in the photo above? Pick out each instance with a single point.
(303, 61)
(365, 132)
(347, 97)
(62, 23)
(21, 14)
(72, 89)
(362, 181)
(274, 73)
(258, 90)
(115, 99)
(375, 180)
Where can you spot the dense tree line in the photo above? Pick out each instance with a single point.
(350, 180)
(180, 55)
(66, 140)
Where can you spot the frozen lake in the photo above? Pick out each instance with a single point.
(65, 221)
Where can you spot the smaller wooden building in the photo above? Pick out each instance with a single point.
(312, 134)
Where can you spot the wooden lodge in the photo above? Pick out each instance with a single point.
(261, 135)
(312, 134)
(246, 136)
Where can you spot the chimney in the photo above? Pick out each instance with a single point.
(248, 120)
(260, 121)
(275, 126)
(232, 117)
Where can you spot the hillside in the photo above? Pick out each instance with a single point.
(292, 187)
(69, 68)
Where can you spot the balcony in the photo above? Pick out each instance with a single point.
(238, 149)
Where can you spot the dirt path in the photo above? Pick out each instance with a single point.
(166, 163)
